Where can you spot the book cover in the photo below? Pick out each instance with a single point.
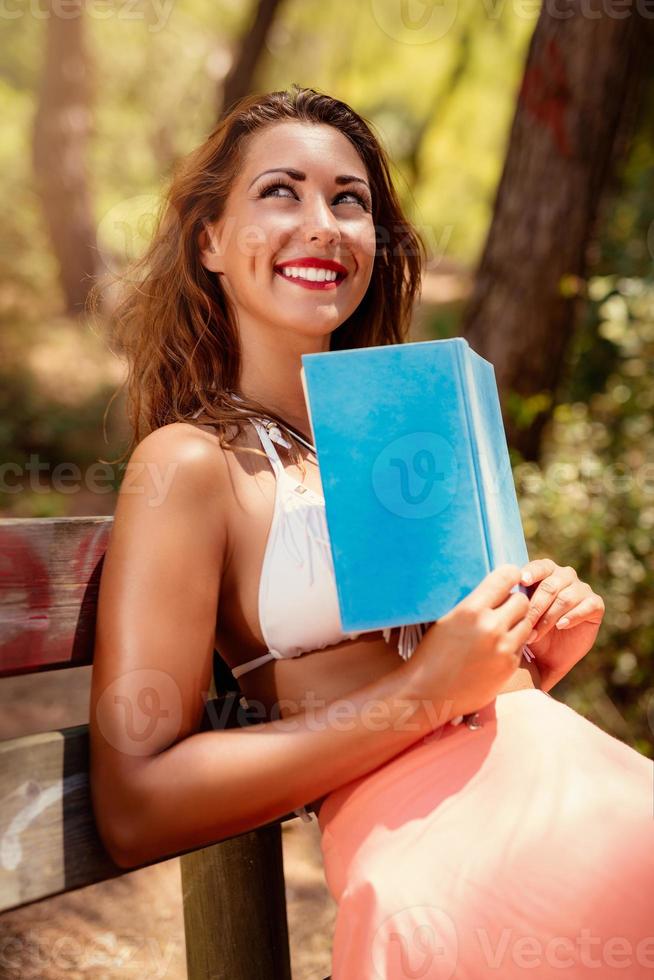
(419, 494)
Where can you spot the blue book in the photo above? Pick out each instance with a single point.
(419, 494)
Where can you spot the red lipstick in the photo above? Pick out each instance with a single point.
(313, 263)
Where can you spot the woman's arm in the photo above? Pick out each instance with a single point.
(218, 784)
(157, 603)
(158, 785)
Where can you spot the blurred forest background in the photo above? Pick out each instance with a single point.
(96, 108)
(522, 144)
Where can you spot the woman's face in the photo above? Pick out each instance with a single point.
(319, 215)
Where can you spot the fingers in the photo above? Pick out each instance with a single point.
(589, 610)
(512, 611)
(493, 590)
(554, 596)
(536, 570)
(519, 635)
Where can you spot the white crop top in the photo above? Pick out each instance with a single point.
(298, 602)
(297, 599)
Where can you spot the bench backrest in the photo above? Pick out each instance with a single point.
(234, 897)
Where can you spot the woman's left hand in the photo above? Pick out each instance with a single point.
(565, 613)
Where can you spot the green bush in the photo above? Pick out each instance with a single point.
(589, 503)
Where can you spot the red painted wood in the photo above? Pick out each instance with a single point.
(49, 578)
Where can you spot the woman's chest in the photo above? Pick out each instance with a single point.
(279, 565)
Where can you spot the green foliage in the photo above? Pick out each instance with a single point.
(589, 503)
(524, 409)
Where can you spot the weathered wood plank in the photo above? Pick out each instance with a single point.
(49, 578)
(48, 838)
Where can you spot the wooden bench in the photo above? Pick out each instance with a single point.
(234, 899)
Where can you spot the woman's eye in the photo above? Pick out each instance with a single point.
(266, 192)
(358, 198)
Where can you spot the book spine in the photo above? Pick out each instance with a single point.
(470, 410)
(305, 389)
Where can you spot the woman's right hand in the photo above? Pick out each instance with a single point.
(467, 656)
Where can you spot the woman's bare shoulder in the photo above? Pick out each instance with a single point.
(195, 449)
(175, 488)
(191, 456)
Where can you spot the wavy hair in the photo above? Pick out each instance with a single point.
(174, 324)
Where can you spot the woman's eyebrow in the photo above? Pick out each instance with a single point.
(299, 175)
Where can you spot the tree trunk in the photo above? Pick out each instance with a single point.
(578, 103)
(239, 81)
(60, 136)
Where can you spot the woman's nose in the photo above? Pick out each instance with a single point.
(321, 224)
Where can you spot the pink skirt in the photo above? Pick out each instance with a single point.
(522, 848)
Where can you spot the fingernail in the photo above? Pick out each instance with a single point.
(562, 622)
(532, 636)
(526, 577)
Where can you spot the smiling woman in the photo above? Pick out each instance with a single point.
(281, 244)
(282, 235)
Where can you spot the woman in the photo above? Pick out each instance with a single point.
(520, 838)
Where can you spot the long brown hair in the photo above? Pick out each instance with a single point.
(174, 323)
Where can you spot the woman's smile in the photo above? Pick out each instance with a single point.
(305, 282)
(312, 273)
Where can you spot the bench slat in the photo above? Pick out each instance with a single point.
(49, 578)
(48, 840)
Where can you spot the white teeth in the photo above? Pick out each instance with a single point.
(311, 274)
